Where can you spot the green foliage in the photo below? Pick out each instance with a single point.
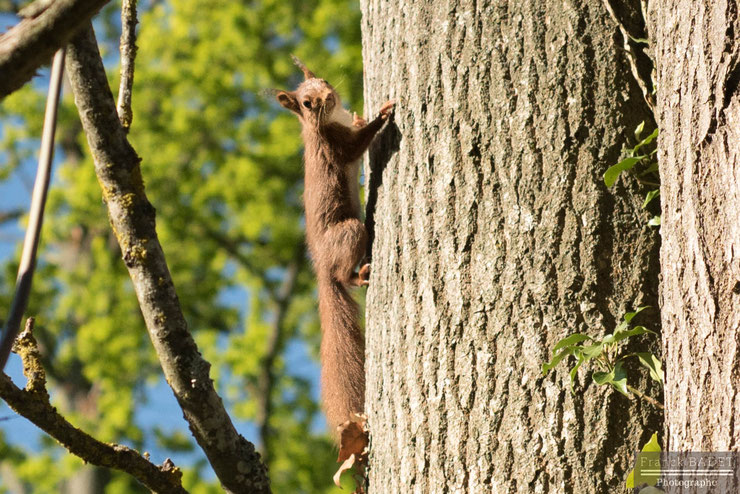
(222, 166)
(605, 356)
(641, 162)
(650, 452)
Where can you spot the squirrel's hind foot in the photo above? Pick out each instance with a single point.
(362, 278)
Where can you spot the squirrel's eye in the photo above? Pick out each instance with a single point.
(307, 104)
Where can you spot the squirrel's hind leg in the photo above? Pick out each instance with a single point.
(344, 245)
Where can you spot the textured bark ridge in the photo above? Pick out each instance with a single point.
(494, 236)
(698, 70)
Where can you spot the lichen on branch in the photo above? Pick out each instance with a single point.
(33, 403)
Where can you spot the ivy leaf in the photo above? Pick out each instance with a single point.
(570, 340)
(593, 351)
(646, 141)
(651, 363)
(617, 378)
(556, 360)
(627, 318)
(622, 335)
(574, 370)
(639, 129)
(631, 315)
(654, 221)
(649, 455)
(620, 380)
(613, 172)
(650, 196)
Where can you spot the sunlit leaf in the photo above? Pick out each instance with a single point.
(613, 172)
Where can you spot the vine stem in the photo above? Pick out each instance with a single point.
(36, 215)
(645, 397)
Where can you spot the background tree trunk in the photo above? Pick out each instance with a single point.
(495, 237)
(698, 69)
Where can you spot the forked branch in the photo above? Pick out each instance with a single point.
(33, 403)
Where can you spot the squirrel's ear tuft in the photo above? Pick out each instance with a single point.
(289, 101)
(307, 74)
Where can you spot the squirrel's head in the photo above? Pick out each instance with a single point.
(313, 101)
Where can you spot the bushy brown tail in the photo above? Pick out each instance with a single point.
(342, 353)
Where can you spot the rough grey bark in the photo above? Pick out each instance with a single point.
(494, 236)
(233, 458)
(698, 70)
(30, 44)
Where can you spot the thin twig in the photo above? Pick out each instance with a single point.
(646, 86)
(36, 217)
(645, 397)
(128, 54)
(33, 404)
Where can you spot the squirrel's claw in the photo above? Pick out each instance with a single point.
(387, 109)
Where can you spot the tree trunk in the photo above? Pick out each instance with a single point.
(698, 69)
(494, 237)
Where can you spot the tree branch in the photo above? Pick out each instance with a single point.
(32, 42)
(27, 264)
(132, 217)
(33, 403)
(128, 54)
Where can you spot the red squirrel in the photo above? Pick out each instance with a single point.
(334, 140)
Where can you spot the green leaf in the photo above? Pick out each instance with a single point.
(617, 378)
(650, 196)
(556, 360)
(631, 480)
(652, 363)
(613, 172)
(574, 370)
(570, 340)
(618, 336)
(652, 446)
(639, 40)
(654, 221)
(602, 378)
(593, 351)
(639, 129)
(646, 141)
(628, 317)
(631, 315)
(650, 451)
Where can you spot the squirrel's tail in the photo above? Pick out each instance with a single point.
(342, 353)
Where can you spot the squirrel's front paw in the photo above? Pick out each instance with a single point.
(387, 109)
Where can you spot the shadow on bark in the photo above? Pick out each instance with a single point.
(384, 146)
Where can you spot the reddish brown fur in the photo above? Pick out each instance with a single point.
(335, 235)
